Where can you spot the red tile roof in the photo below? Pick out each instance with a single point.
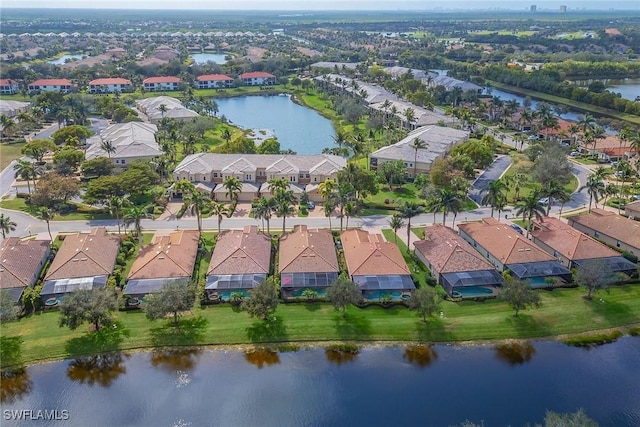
(615, 226)
(257, 75)
(110, 81)
(167, 256)
(307, 251)
(20, 261)
(241, 252)
(369, 255)
(167, 79)
(51, 82)
(7, 82)
(213, 77)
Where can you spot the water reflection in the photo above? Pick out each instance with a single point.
(340, 356)
(14, 384)
(172, 359)
(101, 369)
(261, 357)
(420, 355)
(515, 353)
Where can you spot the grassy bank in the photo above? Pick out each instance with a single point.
(564, 311)
(576, 105)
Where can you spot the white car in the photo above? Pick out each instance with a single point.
(544, 201)
(575, 154)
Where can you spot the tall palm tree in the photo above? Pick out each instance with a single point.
(163, 109)
(328, 208)
(396, 222)
(495, 196)
(134, 215)
(196, 202)
(554, 191)
(284, 203)
(47, 215)
(410, 115)
(116, 204)
(220, 210)
(233, 187)
(278, 186)
(417, 144)
(595, 188)
(263, 210)
(108, 147)
(326, 188)
(447, 201)
(350, 209)
(6, 225)
(408, 210)
(530, 207)
(26, 171)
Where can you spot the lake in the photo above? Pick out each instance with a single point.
(63, 59)
(507, 96)
(298, 128)
(203, 58)
(627, 88)
(381, 386)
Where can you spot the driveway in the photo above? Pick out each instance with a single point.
(492, 173)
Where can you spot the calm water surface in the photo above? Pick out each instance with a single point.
(64, 58)
(381, 386)
(298, 128)
(203, 58)
(627, 88)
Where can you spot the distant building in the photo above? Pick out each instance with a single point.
(563, 9)
(258, 78)
(157, 84)
(8, 87)
(21, 262)
(614, 230)
(110, 85)
(131, 141)
(160, 107)
(213, 81)
(50, 85)
(533, 8)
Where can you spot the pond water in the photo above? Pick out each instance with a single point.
(381, 386)
(627, 88)
(298, 128)
(507, 96)
(203, 58)
(63, 59)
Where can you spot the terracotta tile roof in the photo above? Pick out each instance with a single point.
(167, 79)
(568, 241)
(369, 255)
(51, 82)
(7, 82)
(257, 75)
(447, 252)
(634, 206)
(307, 251)
(615, 226)
(503, 242)
(241, 252)
(110, 81)
(20, 261)
(172, 255)
(213, 77)
(85, 255)
(612, 142)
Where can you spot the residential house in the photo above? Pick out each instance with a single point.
(11, 108)
(632, 210)
(456, 266)
(376, 266)
(159, 107)
(9, 87)
(560, 133)
(21, 262)
(610, 148)
(572, 247)
(214, 81)
(169, 258)
(159, 84)
(131, 141)
(449, 83)
(397, 72)
(439, 140)
(240, 261)
(110, 85)
(212, 169)
(614, 230)
(84, 261)
(50, 85)
(258, 78)
(307, 260)
(421, 116)
(509, 251)
(369, 93)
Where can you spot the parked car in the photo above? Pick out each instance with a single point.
(615, 163)
(517, 228)
(311, 205)
(575, 154)
(544, 201)
(636, 197)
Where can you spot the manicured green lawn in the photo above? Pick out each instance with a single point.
(19, 204)
(522, 165)
(408, 192)
(563, 311)
(10, 152)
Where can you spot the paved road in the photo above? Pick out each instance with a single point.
(492, 173)
(7, 176)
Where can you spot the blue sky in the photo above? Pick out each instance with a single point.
(324, 5)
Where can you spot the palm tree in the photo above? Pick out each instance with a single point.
(326, 188)
(108, 147)
(417, 144)
(447, 201)
(6, 225)
(278, 186)
(263, 209)
(495, 196)
(116, 204)
(350, 209)
(410, 115)
(595, 188)
(396, 222)
(408, 210)
(134, 215)
(220, 209)
(530, 207)
(226, 135)
(196, 202)
(233, 186)
(163, 109)
(26, 170)
(328, 208)
(284, 203)
(553, 190)
(46, 215)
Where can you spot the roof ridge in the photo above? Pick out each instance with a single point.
(14, 275)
